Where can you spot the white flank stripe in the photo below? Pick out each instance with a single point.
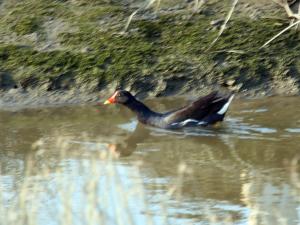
(183, 123)
(225, 107)
(201, 123)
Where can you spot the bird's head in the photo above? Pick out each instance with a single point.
(120, 96)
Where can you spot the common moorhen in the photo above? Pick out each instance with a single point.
(205, 111)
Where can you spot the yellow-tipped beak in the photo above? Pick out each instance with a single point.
(111, 100)
(107, 102)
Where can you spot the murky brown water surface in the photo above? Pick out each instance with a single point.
(244, 171)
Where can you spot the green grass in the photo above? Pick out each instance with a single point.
(170, 45)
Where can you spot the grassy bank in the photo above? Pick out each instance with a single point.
(61, 45)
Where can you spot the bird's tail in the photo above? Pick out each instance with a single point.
(225, 107)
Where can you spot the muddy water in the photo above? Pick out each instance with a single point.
(244, 171)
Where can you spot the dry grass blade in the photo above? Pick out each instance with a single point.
(293, 173)
(224, 24)
(231, 51)
(277, 35)
(129, 20)
(157, 5)
(198, 4)
(148, 5)
(93, 190)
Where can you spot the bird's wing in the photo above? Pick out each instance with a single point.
(198, 109)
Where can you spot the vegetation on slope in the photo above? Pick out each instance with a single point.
(64, 44)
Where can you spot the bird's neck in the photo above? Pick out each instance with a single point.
(142, 111)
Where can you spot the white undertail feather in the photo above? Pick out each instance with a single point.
(226, 106)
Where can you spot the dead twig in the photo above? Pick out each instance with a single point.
(286, 5)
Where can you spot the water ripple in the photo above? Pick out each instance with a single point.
(293, 130)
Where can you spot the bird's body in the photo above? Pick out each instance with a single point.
(202, 112)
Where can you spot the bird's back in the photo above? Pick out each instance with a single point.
(206, 110)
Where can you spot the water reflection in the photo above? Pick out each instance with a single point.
(240, 169)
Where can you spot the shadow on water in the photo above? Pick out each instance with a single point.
(240, 169)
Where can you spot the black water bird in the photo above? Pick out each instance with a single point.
(207, 110)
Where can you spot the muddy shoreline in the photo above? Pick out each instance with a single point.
(18, 99)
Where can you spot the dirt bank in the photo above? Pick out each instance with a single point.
(74, 51)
